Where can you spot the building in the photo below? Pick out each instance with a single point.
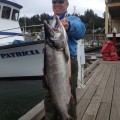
(112, 21)
(112, 16)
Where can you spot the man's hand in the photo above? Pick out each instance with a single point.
(65, 23)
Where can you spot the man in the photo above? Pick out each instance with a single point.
(75, 29)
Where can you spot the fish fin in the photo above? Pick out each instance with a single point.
(70, 81)
(66, 54)
(46, 80)
(72, 100)
(69, 117)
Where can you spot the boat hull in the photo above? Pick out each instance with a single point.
(22, 60)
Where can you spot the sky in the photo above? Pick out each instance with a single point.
(33, 7)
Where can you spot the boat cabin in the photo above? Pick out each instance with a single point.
(9, 25)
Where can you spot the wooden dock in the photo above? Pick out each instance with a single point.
(98, 100)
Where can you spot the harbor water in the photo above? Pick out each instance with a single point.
(18, 97)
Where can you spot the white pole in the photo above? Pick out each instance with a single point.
(25, 24)
(81, 62)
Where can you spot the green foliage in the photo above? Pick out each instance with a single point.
(90, 19)
(93, 21)
(34, 20)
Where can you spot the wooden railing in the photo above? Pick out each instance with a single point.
(96, 37)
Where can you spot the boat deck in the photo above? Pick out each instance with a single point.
(98, 100)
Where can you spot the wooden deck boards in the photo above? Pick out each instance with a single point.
(101, 98)
(98, 100)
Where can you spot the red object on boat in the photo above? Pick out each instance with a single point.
(108, 51)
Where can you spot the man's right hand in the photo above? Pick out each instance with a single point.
(65, 23)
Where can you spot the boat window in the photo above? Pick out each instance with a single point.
(6, 12)
(15, 15)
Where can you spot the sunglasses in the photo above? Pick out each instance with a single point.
(58, 1)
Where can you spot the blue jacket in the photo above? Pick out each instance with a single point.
(75, 32)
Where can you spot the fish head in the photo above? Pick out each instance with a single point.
(56, 37)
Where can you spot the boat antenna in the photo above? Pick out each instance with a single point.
(75, 11)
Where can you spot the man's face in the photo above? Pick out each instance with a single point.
(59, 7)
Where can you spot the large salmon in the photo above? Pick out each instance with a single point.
(57, 68)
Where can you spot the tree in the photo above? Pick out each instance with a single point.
(34, 20)
(89, 18)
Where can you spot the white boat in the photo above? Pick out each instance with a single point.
(25, 59)
(17, 60)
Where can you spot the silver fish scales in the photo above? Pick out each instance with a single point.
(57, 68)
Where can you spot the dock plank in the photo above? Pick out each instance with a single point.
(97, 98)
(35, 114)
(82, 91)
(90, 68)
(115, 110)
(85, 101)
(105, 106)
(117, 81)
(81, 107)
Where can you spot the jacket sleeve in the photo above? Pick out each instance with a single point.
(76, 28)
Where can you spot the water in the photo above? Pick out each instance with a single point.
(96, 53)
(18, 97)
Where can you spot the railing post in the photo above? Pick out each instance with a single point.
(114, 36)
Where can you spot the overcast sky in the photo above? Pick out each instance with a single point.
(33, 7)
